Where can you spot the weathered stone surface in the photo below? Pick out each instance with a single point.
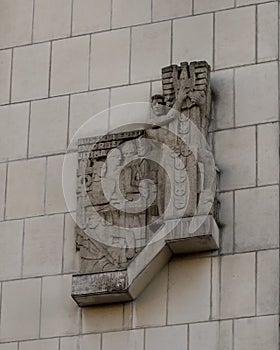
(235, 37)
(20, 313)
(30, 79)
(110, 49)
(163, 337)
(5, 72)
(45, 344)
(132, 192)
(133, 340)
(164, 9)
(130, 12)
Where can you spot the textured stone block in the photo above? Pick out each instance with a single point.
(48, 126)
(102, 318)
(267, 282)
(60, 315)
(16, 22)
(165, 337)
(13, 131)
(69, 343)
(9, 346)
(25, 192)
(11, 233)
(45, 344)
(257, 218)
(226, 220)
(69, 180)
(30, 79)
(189, 290)
(164, 9)
(91, 15)
(90, 342)
(55, 201)
(211, 336)
(222, 89)
(86, 106)
(256, 333)
(235, 37)
(235, 155)
(52, 19)
(129, 104)
(212, 5)
(70, 75)
(256, 105)
(130, 12)
(5, 72)
(110, 49)
(237, 285)
(132, 340)
(43, 241)
(70, 255)
(150, 51)
(186, 45)
(268, 151)
(20, 312)
(267, 32)
(150, 306)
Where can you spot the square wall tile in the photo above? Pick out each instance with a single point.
(165, 9)
(150, 51)
(150, 306)
(132, 340)
(237, 285)
(188, 46)
(163, 337)
(257, 333)
(257, 218)
(267, 282)
(31, 66)
(16, 22)
(11, 238)
(70, 65)
(130, 12)
(235, 154)
(20, 313)
(268, 154)
(55, 202)
(253, 103)
(87, 106)
(43, 245)
(91, 16)
(52, 19)
(48, 126)
(25, 192)
(60, 314)
(5, 73)
(45, 344)
(235, 37)
(110, 59)
(13, 131)
(222, 94)
(189, 290)
(267, 31)
(211, 5)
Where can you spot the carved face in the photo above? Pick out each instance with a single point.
(115, 157)
(143, 147)
(158, 107)
(93, 221)
(128, 150)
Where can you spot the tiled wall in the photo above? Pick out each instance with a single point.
(62, 61)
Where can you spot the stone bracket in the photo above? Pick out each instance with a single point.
(125, 285)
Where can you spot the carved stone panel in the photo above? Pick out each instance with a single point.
(147, 194)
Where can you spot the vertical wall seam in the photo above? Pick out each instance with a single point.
(11, 76)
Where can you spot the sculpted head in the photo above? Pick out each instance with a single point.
(128, 149)
(158, 105)
(143, 146)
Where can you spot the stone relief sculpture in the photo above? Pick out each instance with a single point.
(130, 187)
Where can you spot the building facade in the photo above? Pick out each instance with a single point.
(63, 62)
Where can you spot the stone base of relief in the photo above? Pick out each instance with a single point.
(125, 285)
